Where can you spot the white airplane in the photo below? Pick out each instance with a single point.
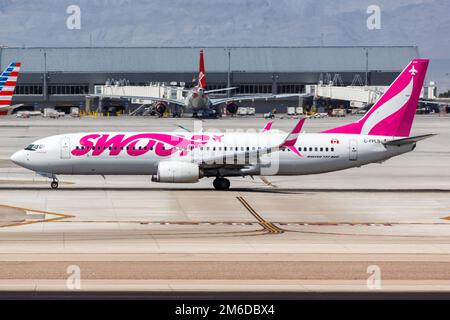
(8, 82)
(383, 133)
(198, 98)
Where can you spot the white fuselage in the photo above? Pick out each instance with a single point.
(197, 99)
(141, 153)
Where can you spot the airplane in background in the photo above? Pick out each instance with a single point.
(383, 133)
(199, 98)
(8, 82)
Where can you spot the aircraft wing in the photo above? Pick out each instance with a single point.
(435, 102)
(120, 97)
(2, 108)
(216, 102)
(288, 143)
(220, 90)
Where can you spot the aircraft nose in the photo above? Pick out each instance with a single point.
(18, 158)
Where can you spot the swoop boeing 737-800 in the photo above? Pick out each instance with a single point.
(383, 133)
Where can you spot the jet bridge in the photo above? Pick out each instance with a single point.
(358, 96)
(155, 91)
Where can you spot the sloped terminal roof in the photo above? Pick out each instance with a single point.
(182, 59)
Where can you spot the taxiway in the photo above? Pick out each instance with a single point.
(287, 234)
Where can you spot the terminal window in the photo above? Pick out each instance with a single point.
(254, 88)
(216, 86)
(68, 90)
(289, 88)
(28, 90)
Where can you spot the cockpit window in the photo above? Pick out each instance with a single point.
(34, 147)
(31, 147)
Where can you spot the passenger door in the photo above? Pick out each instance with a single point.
(65, 148)
(353, 150)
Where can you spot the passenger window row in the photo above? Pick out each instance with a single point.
(115, 148)
(304, 149)
(315, 149)
(230, 148)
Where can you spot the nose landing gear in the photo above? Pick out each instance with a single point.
(222, 184)
(54, 184)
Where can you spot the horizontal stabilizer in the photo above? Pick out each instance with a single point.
(402, 142)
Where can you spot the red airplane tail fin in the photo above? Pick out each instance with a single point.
(201, 72)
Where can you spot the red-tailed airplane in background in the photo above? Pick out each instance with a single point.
(198, 98)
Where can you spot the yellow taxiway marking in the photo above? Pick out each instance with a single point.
(59, 216)
(268, 226)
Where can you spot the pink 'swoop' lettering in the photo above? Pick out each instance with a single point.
(98, 143)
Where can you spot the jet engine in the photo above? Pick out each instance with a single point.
(178, 172)
(232, 107)
(160, 107)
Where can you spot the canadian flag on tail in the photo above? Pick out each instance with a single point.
(8, 82)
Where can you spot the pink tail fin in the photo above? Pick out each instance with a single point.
(393, 114)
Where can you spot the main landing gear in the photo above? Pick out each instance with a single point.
(222, 184)
(54, 184)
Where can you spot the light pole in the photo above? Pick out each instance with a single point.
(45, 93)
(367, 67)
(229, 72)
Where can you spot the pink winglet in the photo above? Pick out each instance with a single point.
(268, 127)
(291, 140)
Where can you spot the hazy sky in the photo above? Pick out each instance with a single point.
(425, 23)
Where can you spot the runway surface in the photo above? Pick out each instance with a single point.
(322, 233)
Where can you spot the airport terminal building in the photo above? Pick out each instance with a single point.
(63, 77)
